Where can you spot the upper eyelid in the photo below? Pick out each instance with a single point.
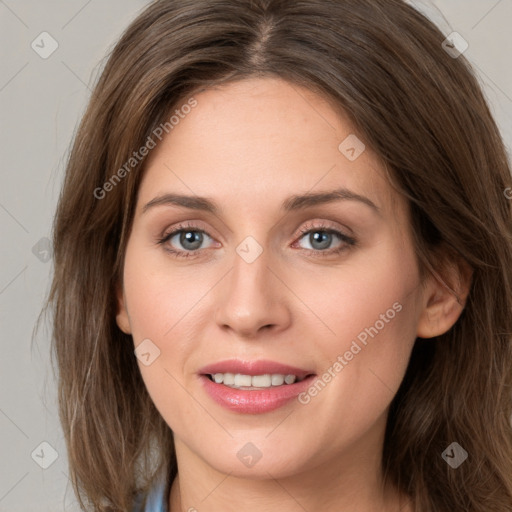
(196, 226)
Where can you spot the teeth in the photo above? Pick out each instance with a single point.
(227, 378)
(255, 381)
(261, 381)
(277, 380)
(289, 379)
(242, 380)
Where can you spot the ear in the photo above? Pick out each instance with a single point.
(445, 297)
(122, 318)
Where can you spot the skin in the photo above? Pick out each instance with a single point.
(249, 146)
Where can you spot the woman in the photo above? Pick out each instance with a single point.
(283, 267)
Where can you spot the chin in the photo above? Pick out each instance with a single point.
(257, 459)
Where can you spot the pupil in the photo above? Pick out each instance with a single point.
(322, 237)
(191, 237)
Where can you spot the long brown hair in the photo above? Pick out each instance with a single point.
(421, 110)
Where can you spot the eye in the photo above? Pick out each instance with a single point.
(321, 238)
(187, 239)
(190, 240)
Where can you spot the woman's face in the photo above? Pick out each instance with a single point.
(273, 270)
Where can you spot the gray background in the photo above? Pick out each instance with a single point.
(41, 101)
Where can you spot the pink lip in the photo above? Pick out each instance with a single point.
(254, 401)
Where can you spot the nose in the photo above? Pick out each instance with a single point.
(252, 299)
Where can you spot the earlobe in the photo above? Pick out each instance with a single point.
(445, 299)
(122, 318)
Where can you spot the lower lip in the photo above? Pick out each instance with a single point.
(254, 401)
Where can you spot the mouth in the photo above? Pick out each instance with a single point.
(255, 382)
(254, 387)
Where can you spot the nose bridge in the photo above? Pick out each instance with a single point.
(251, 297)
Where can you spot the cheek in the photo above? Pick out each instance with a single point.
(166, 305)
(159, 293)
(160, 303)
(369, 284)
(368, 310)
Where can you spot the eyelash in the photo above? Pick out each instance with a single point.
(349, 242)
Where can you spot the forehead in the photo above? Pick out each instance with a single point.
(262, 139)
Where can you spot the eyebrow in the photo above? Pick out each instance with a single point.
(293, 203)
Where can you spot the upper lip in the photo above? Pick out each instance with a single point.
(260, 367)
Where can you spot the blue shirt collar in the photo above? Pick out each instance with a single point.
(156, 499)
